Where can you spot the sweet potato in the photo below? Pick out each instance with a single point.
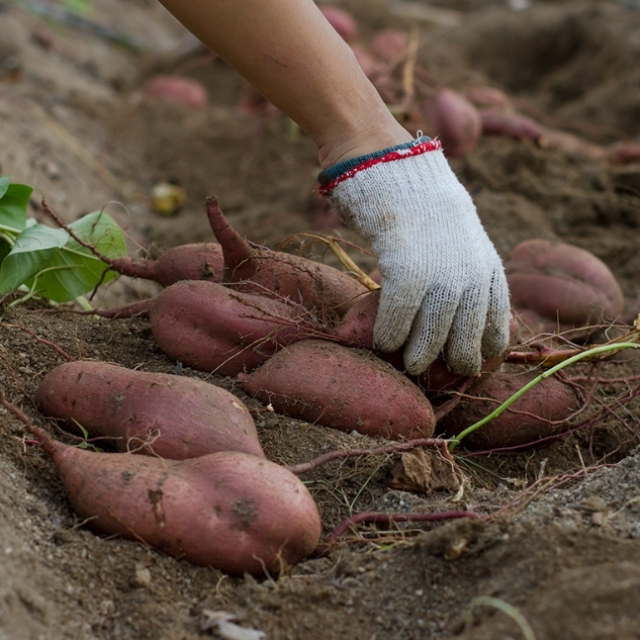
(566, 285)
(504, 122)
(152, 413)
(196, 261)
(185, 91)
(233, 511)
(539, 413)
(485, 97)
(572, 145)
(254, 269)
(390, 45)
(209, 327)
(623, 152)
(342, 388)
(455, 120)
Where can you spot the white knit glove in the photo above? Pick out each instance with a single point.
(443, 284)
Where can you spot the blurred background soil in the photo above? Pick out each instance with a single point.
(77, 126)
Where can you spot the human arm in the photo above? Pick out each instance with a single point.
(443, 285)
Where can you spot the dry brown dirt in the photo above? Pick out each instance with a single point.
(563, 547)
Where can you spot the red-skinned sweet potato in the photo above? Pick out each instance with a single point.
(538, 414)
(196, 261)
(623, 152)
(151, 413)
(562, 283)
(254, 269)
(177, 89)
(455, 120)
(485, 97)
(390, 45)
(209, 327)
(572, 145)
(504, 122)
(342, 388)
(233, 511)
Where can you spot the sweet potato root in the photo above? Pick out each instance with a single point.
(562, 283)
(209, 327)
(197, 261)
(342, 388)
(151, 413)
(250, 268)
(233, 511)
(538, 414)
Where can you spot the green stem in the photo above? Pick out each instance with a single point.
(10, 231)
(532, 383)
(84, 304)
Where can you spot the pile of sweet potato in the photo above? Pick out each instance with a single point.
(190, 477)
(299, 336)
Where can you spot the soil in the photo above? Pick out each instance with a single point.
(562, 546)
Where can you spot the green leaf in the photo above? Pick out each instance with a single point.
(13, 204)
(32, 251)
(73, 270)
(5, 181)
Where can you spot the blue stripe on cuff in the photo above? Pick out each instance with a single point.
(337, 170)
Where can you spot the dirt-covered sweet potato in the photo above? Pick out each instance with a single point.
(151, 413)
(567, 286)
(390, 45)
(209, 327)
(318, 287)
(487, 97)
(455, 121)
(178, 90)
(233, 511)
(196, 261)
(505, 122)
(343, 388)
(540, 413)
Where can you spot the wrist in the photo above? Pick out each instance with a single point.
(347, 147)
(333, 176)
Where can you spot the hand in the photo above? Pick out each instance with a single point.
(443, 284)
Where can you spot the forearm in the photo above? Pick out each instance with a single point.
(294, 57)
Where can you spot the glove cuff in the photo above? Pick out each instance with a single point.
(331, 177)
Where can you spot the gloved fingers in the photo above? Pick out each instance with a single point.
(400, 300)
(463, 351)
(496, 334)
(430, 328)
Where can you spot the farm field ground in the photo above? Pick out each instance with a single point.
(564, 545)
